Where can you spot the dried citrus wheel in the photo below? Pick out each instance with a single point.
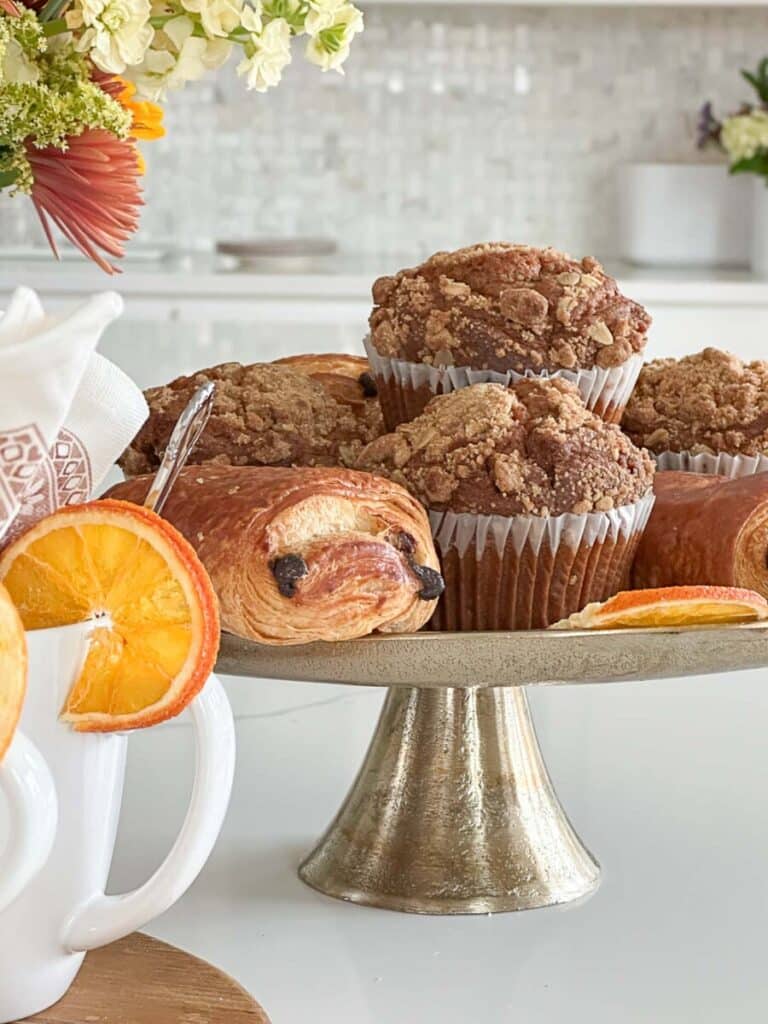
(155, 615)
(13, 669)
(670, 606)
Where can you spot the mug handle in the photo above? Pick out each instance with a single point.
(105, 919)
(28, 787)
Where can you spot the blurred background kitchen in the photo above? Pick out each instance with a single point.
(455, 122)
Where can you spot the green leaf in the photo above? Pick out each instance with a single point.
(757, 164)
(758, 81)
(7, 178)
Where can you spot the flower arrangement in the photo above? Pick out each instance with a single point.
(744, 135)
(80, 83)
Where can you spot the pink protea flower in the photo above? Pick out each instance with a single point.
(90, 191)
(10, 8)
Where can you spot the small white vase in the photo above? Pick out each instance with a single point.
(760, 227)
(694, 215)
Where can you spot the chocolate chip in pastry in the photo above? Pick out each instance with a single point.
(263, 414)
(499, 306)
(298, 555)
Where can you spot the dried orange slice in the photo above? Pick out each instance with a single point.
(13, 669)
(670, 606)
(155, 615)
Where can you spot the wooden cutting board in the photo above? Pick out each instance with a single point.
(142, 981)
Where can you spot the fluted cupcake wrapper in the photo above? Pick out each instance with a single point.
(405, 388)
(711, 463)
(526, 572)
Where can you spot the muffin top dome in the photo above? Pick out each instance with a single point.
(263, 415)
(504, 307)
(708, 402)
(532, 449)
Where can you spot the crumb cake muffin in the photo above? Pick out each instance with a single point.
(536, 503)
(495, 312)
(263, 415)
(348, 379)
(706, 412)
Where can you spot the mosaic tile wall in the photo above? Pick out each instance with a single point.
(452, 124)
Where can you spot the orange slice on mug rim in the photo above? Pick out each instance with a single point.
(154, 612)
(13, 669)
(670, 606)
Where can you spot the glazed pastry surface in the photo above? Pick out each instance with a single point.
(298, 555)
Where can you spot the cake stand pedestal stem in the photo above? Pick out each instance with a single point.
(452, 812)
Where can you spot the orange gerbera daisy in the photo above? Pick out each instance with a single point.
(147, 117)
(90, 191)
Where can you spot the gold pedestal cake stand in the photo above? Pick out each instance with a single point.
(453, 811)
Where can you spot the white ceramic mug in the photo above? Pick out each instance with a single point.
(30, 795)
(64, 912)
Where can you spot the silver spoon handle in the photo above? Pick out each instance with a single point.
(185, 436)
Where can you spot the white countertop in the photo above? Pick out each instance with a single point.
(664, 782)
(346, 276)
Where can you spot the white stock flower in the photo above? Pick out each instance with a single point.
(218, 17)
(177, 57)
(744, 135)
(322, 14)
(15, 66)
(330, 47)
(266, 56)
(117, 32)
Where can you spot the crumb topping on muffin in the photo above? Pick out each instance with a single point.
(263, 415)
(347, 379)
(708, 402)
(530, 449)
(499, 306)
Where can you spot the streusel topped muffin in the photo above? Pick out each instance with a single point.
(708, 402)
(263, 415)
(499, 306)
(535, 503)
(532, 448)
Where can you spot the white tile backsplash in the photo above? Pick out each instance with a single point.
(452, 124)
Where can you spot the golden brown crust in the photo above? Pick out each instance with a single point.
(531, 449)
(706, 530)
(262, 415)
(298, 555)
(504, 307)
(708, 402)
(311, 363)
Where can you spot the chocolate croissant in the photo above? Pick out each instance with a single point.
(297, 555)
(706, 529)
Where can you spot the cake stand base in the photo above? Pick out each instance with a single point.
(452, 812)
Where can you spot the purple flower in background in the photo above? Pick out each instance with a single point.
(708, 127)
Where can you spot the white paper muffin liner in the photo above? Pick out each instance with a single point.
(526, 572)
(710, 463)
(405, 387)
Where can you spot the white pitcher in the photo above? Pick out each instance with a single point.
(63, 911)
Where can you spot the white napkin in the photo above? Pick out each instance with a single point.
(66, 413)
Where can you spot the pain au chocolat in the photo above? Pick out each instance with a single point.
(706, 529)
(263, 415)
(298, 555)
